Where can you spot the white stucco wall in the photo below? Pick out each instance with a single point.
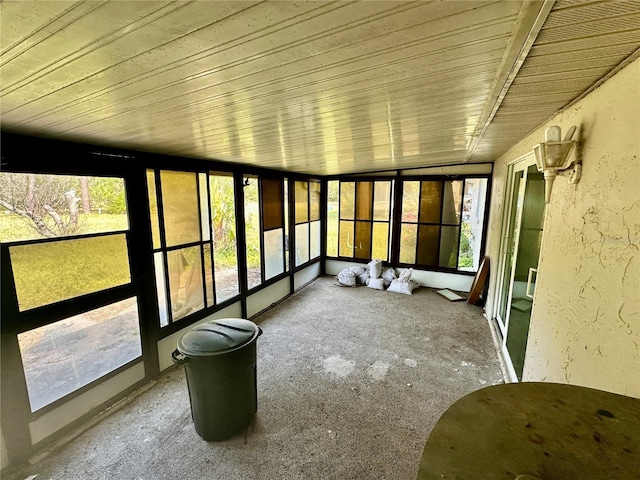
(585, 327)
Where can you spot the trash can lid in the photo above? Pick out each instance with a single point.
(217, 337)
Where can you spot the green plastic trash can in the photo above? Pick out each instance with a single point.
(220, 365)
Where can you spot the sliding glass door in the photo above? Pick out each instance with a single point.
(523, 226)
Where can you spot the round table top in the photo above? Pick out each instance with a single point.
(547, 430)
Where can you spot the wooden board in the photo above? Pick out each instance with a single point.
(478, 281)
(449, 295)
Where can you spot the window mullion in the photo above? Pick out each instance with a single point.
(442, 188)
(203, 271)
(261, 228)
(163, 244)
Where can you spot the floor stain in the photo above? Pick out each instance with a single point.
(378, 370)
(338, 365)
(410, 362)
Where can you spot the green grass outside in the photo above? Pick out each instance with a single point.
(49, 272)
(13, 228)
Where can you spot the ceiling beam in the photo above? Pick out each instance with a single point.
(530, 20)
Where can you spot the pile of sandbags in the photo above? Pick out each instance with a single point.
(353, 276)
(375, 276)
(404, 284)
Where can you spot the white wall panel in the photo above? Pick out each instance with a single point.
(60, 417)
(306, 275)
(267, 296)
(168, 344)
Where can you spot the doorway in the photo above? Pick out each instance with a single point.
(520, 251)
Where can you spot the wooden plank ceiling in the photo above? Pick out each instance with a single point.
(314, 87)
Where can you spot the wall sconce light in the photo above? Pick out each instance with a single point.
(553, 159)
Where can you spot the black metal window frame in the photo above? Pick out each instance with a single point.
(440, 223)
(208, 308)
(15, 396)
(263, 229)
(308, 222)
(395, 217)
(355, 220)
(25, 154)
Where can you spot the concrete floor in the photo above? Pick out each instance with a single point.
(350, 383)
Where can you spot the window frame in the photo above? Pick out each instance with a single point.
(440, 224)
(174, 325)
(263, 230)
(294, 223)
(395, 217)
(372, 221)
(15, 321)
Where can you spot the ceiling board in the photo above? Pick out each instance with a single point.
(316, 87)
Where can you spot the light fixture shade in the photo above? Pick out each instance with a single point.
(553, 155)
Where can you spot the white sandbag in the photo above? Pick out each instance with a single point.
(405, 275)
(363, 279)
(357, 271)
(346, 277)
(376, 283)
(375, 268)
(399, 286)
(388, 274)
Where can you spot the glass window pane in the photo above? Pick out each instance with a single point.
(227, 284)
(302, 243)
(153, 208)
(380, 241)
(430, 202)
(475, 192)
(332, 219)
(314, 201)
(272, 204)
(428, 240)
(204, 207)
(314, 240)
(408, 239)
(286, 224)
(410, 196)
(185, 281)
(302, 202)
(208, 274)
(223, 224)
(49, 272)
(273, 253)
(449, 247)
(382, 201)
(161, 288)
(62, 357)
(347, 200)
(452, 201)
(252, 231)
(363, 240)
(47, 206)
(346, 239)
(364, 194)
(180, 207)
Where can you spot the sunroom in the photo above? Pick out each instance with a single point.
(169, 163)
